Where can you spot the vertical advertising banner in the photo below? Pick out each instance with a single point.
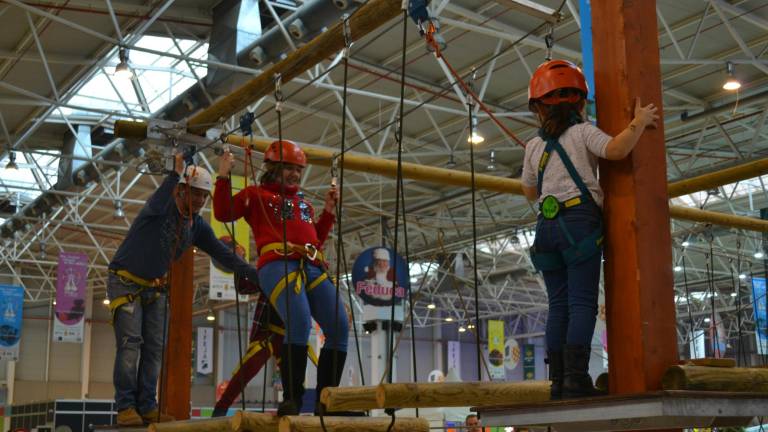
(529, 362)
(454, 358)
(761, 320)
(11, 307)
(511, 354)
(204, 350)
(496, 349)
(71, 287)
(222, 282)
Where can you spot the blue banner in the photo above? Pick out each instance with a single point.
(761, 319)
(11, 307)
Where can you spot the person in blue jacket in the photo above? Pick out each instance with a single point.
(164, 229)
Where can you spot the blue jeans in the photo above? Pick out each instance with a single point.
(139, 340)
(573, 290)
(317, 302)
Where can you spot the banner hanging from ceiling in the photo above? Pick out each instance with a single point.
(71, 289)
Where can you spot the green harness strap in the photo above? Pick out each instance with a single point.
(550, 209)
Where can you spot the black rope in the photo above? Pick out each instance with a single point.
(740, 354)
(398, 138)
(237, 292)
(711, 281)
(451, 84)
(410, 291)
(264, 384)
(278, 109)
(470, 106)
(352, 312)
(162, 353)
(398, 192)
(339, 207)
(694, 354)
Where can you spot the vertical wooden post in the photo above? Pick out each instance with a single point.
(176, 385)
(642, 336)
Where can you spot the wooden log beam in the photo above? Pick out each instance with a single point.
(250, 421)
(444, 176)
(639, 287)
(352, 424)
(349, 398)
(239, 422)
(718, 178)
(369, 17)
(175, 387)
(217, 424)
(431, 395)
(716, 379)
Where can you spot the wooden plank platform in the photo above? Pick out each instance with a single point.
(648, 411)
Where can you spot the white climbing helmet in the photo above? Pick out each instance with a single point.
(197, 177)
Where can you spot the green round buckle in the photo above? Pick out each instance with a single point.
(550, 207)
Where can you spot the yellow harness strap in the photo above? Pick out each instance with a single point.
(307, 251)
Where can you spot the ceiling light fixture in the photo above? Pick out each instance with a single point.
(12, 162)
(462, 329)
(759, 255)
(742, 276)
(476, 137)
(449, 319)
(210, 316)
(119, 213)
(105, 301)
(686, 243)
(123, 69)
(492, 161)
(731, 83)
(431, 306)
(678, 269)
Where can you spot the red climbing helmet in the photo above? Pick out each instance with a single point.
(292, 153)
(556, 75)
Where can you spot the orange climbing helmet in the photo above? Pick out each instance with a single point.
(556, 75)
(292, 153)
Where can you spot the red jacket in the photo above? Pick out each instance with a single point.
(260, 206)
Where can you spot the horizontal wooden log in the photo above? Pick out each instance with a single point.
(711, 362)
(349, 398)
(216, 424)
(705, 378)
(352, 424)
(251, 421)
(444, 176)
(432, 395)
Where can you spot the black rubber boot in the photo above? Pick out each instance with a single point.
(555, 361)
(219, 412)
(576, 380)
(329, 375)
(292, 376)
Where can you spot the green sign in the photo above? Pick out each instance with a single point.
(529, 362)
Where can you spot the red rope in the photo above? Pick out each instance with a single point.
(438, 53)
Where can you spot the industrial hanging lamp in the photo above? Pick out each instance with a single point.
(731, 83)
(123, 69)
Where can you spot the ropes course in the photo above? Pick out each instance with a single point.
(388, 394)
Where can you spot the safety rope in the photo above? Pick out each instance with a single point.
(473, 187)
(245, 130)
(688, 302)
(711, 282)
(283, 205)
(398, 192)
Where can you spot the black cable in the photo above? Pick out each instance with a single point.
(470, 106)
(399, 139)
(237, 292)
(283, 209)
(694, 354)
(759, 347)
(711, 280)
(450, 86)
(264, 384)
(352, 312)
(162, 352)
(410, 292)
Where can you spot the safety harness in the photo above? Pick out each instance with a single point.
(305, 252)
(158, 284)
(551, 209)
